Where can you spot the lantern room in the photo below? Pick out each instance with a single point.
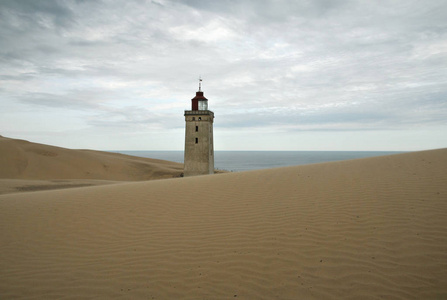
(199, 102)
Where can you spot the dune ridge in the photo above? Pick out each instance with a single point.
(21, 159)
(363, 229)
(54, 167)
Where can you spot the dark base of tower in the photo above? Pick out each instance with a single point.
(192, 173)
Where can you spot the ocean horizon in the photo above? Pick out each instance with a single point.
(238, 161)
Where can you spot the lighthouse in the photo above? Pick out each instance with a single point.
(199, 150)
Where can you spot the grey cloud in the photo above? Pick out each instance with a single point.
(134, 117)
(51, 100)
(50, 7)
(274, 11)
(26, 14)
(381, 114)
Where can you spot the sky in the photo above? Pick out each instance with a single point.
(279, 75)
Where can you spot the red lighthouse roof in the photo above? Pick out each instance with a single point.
(199, 96)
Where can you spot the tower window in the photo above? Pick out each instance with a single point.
(197, 140)
(200, 118)
(193, 118)
(197, 128)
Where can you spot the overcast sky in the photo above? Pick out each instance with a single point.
(279, 75)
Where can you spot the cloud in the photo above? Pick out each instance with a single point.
(284, 66)
(25, 14)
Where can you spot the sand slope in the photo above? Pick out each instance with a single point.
(364, 229)
(8, 186)
(21, 159)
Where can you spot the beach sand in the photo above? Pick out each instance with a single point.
(371, 228)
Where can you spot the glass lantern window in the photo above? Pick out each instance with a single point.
(203, 105)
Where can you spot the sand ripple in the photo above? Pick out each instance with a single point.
(363, 229)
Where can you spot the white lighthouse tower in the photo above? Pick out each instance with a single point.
(199, 150)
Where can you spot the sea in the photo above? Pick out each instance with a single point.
(237, 161)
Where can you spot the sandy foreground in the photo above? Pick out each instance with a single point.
(371, 228)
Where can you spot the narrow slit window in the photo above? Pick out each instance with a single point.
(197, 128)
(197, 140)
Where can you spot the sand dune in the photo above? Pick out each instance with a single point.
(363, 229)
(24, 160)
